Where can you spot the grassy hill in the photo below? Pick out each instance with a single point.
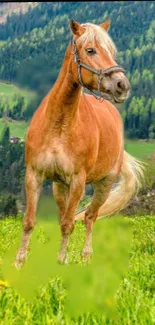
(17, 128)
(8, 91)
(14, 100)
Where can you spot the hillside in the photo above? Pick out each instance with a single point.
(6, 9)
(33, 45)
(15, 101)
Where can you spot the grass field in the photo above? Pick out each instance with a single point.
(16, 128)
(9, 91)
(140, 148)
(117, 288)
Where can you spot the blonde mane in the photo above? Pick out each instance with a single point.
(96, 33)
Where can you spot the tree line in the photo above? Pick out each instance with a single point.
(12, 170)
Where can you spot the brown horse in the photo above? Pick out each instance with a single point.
(74, 139)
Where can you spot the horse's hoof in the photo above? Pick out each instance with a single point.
(64, 259)
(87, 254)
(17, 265)
(20, 259)
(60, 260)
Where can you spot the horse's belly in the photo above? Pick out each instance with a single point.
(106, 161)
(99, 172)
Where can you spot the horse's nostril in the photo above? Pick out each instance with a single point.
(118, 92)
(120, 85)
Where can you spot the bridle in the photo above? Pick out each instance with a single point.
(99, 72)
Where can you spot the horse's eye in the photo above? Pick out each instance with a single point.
(90, 51)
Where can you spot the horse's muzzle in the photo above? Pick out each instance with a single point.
(118, 86)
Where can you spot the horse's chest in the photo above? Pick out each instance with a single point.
(56, 163)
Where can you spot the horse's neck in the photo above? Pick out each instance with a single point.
(65, 95)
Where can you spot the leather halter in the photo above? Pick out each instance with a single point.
(99, 72)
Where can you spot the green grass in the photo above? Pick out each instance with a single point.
(8, 92)
(139, 148)
(116, 288)
(6, 88)
(16, 128)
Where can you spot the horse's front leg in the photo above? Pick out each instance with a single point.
(60, 193)
(67, 221)
(33, 184)
(102, 190)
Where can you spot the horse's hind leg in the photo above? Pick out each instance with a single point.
(33, 184)
(102, 189)
(60, 193)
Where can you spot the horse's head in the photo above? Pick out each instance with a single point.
(94, 64)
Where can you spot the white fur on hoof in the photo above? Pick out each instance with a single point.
(20, 259)
(63, 259)
(87, 253)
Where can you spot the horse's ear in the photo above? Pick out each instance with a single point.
(106, 25)
(76, 28)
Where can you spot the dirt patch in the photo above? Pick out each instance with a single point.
(143, 204)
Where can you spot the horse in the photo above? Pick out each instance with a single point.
(76, 138)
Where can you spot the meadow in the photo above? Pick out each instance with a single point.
(15, 102)
(8, 91)
(116, 288)
(17, 128)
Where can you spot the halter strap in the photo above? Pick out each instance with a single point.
(99, 72)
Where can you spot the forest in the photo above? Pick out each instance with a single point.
(33, 44)
(12, 170)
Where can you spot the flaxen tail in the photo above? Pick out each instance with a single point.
(131, 177)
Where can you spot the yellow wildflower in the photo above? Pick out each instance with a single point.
(3, 283)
